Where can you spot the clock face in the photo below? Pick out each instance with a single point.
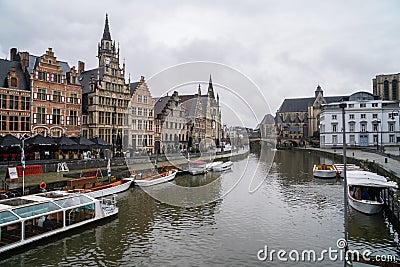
(107, 60)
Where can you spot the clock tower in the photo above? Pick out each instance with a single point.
(107, 53)
(106, 95)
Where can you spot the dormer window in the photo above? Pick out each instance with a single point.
(14, 82)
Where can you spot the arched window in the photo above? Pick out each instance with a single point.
(386, 90)
(14, 82)
(394, 89)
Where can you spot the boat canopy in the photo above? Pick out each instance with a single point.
(6, 216)
(365, 178)
(34, 205)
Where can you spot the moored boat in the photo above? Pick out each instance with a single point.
(364, 189)
(197, 167)
(209, 166)
(27, 219)
(158, 178)
(349, 167)
(96, 189)
(223, 166)
(324, 171)
(111, 188)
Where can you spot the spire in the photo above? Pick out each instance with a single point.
(106, 33)
(210, 89)
(199, 91)
(318, 91)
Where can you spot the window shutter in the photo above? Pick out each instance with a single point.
(79, 100)
(68, 99)
(36, 75)
(50, 119)
(68, 120)
(62, 79)
(52, 77)
(51, 97)
(62, 119)
(47, 97)
(79, 121)
(34, 95)
(34, 118)
(47, 76)
(63, 99)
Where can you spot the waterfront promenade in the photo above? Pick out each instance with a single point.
(120, 167)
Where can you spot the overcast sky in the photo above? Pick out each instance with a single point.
(286, 48)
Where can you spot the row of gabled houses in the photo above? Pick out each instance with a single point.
(42, 94)
(372, 119)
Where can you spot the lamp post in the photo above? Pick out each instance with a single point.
(343, 106)
(23, 166)
(377, 138)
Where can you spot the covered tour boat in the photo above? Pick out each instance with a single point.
(364, 191)
(26, 219)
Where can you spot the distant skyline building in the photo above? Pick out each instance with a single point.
(387, 86)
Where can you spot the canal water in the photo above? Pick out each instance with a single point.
(290, 211)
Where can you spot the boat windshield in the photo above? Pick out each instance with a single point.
(73, 201)
(36, 209)
(6, 216)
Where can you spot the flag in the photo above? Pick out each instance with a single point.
(23, 156)
(109, 168)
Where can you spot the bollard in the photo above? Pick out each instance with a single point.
(386, 161)
(353, 154)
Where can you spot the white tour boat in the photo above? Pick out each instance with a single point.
(158, 178)
(223, 166)
(197, 167)
(26, 219)
(324, 171)
(364, 190)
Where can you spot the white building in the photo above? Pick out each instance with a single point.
(369, 122)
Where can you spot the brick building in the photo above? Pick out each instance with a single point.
(55, 94)
(14, 99)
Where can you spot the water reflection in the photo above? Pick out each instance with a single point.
(291, 210)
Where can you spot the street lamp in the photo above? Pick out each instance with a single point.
(343, 106)
(377, 139)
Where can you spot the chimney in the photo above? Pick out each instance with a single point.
(13, 54)
(24, 60)
(81, 67)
